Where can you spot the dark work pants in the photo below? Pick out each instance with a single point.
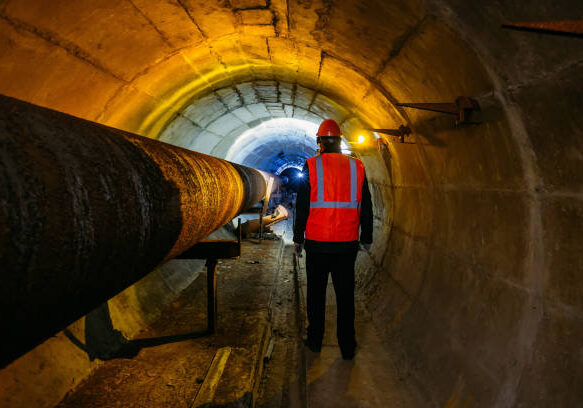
(341, 266)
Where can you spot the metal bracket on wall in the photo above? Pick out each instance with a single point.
(402, 132)
(462, 108)
(572, 28)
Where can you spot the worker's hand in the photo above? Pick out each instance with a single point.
(298, 248)
(365, 247)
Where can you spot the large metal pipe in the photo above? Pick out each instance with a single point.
(87, 210)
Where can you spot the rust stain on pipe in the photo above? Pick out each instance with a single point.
(87, 210)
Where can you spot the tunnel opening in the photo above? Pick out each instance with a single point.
(275, 145)
(291, 178)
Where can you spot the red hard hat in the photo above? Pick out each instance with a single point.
(329, 128)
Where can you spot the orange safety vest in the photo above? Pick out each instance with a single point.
(335, 197)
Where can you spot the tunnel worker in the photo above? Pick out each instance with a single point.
(333, 204)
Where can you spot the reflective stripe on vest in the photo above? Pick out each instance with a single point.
(353, 203)
(334, 177)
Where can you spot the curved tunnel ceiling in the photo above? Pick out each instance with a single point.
(253, 123)
(473, 273)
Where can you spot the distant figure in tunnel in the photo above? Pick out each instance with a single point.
(333, 203)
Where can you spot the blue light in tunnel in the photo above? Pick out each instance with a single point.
(300, 175)
(277, 144)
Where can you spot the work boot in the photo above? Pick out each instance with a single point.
(348, 352)
(316, 348)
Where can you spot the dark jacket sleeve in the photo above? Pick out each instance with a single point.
(366, 215)
(302, 206)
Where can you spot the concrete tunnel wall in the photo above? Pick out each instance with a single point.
(475, 278)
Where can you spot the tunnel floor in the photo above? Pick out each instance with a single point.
(260, 302)
(372, 379)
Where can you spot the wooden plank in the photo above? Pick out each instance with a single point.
(207, 391)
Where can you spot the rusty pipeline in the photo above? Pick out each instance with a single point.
(87, 210)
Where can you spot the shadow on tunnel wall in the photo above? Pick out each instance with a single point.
(104, 342)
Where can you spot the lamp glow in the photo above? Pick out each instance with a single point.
(361, 139)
